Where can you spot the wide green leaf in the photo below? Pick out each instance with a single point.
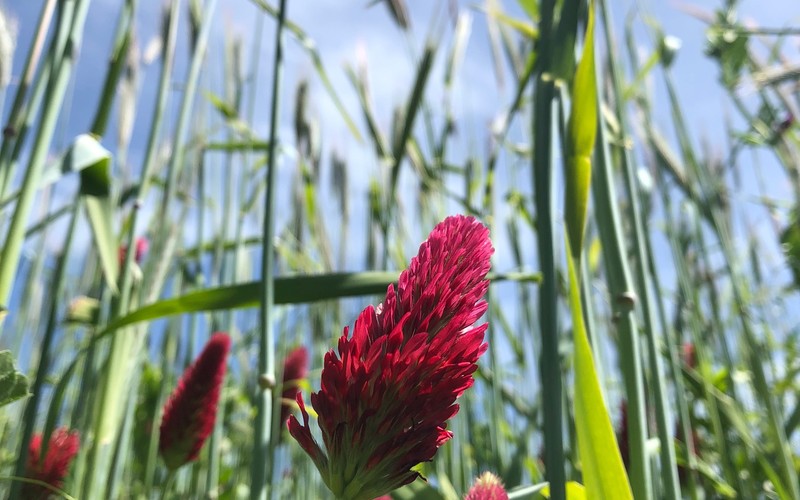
(13, 384)
(288, 290)
(603, 471)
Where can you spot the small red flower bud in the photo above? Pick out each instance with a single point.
(142, 246)
(689, 355)
(487, 487)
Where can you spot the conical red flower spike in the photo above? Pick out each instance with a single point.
(191, 410)
(53, 468)
(388, 392)
(487, 487)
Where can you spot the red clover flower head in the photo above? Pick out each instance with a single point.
(388, 392)
(191, 410)
(52, 469)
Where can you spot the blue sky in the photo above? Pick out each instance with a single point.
(346, 32)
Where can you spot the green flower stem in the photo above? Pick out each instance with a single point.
(264, 442)
(549, 358)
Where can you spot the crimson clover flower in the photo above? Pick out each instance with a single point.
(141, 248)
(191, 410)
(387, 394)
(487, 487)
(295, 369)
(52, 469)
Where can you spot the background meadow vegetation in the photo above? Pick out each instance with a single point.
(272, 189)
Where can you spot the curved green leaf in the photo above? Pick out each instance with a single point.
(603, 471)
(581, 132)
(288, 290)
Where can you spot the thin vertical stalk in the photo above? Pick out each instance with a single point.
(187, 107)
(550, 358)
(623, 299)
(669, 471)
(14, 131)
(494, 406)
(31, 320)
(752, 347)
(61, 57)
(264, 442)
(543, 183)
(124, 31)
(122, 445)
(672, 357)
(45, 362)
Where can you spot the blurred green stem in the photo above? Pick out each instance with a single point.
(623, 299)
(45, 352)
(61, 59)
(549, 358)
(19, 116)
(264, 442)
(669, 471)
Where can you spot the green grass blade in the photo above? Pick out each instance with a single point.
(288, 290)
(603, 471)
(413, 105)
(62, 56)
(581, 132)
